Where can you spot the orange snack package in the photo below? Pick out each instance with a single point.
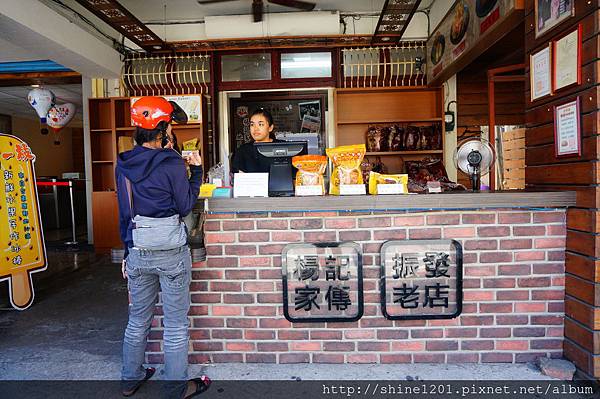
(310, 170)
(346, 161)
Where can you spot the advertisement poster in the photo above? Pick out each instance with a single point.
(191, 104)
(21, 235)
(467, 22)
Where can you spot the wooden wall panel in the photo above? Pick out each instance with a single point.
(544, 134)
(473, 102)
(544, 170)
(572, 173)
(583, 266)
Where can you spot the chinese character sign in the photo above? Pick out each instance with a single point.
(21, 236)
(322, 282)
(422, 279)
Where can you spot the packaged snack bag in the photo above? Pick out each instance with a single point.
(189, 146)
(378, 178)
(346, 161)
(310, 170)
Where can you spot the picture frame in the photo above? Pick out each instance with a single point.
(566, 59)
(567, 129)
(550, 13)
(540, 72)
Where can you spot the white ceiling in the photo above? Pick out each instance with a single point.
(13, 101)
(154, 10)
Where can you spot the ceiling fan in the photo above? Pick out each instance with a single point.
(257, 5)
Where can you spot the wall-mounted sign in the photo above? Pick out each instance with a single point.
(191, 104)
(421, 279)
(463, 33)
(567, 129)
(21, 236)
(322, 282)
(540, 67)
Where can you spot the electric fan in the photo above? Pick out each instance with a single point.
(475, 157)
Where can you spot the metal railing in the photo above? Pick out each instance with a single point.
(389, 66)
(166, 75)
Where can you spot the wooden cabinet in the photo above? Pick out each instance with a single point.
(358, 109)
(105, 213)
(110, 122)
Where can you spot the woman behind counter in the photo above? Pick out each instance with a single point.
(246, 158)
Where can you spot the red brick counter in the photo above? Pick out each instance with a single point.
(513, 288)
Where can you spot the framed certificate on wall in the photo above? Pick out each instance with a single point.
(567, 129)
(540, 71)
(566, 60)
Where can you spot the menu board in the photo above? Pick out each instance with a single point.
(467, 22)
(300, 115)
(21, 236)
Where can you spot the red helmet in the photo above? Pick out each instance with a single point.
(148, 112)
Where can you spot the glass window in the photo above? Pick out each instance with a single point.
(305, 65)
(241, 67)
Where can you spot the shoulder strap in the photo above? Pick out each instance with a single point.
(130, 193)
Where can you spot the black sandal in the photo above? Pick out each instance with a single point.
(202, 385)
(149, 373)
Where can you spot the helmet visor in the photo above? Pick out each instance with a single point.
(178, 114)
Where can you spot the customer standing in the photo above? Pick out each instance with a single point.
(154, 193)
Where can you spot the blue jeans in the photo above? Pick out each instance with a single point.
(147, 271)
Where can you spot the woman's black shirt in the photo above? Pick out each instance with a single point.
(247, 159)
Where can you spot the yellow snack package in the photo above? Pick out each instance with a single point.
(310, 170)
(190, 145)
(378, 178)
(346, 161)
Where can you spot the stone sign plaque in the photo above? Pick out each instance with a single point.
(421, 279)
(322, 282)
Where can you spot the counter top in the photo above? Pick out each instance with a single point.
(443, 201)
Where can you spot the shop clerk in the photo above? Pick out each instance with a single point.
(246, 158)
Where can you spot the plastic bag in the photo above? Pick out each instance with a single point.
(378, 178)
(216, 174)
(346, 161)
(310, 170)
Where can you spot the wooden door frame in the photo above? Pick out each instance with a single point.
(496, 75)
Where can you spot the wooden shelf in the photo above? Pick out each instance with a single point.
(100, 130)
(358, 108)
(418, 152)
(384, 89)
(372, 122)
(126, 128)
(188, 126)
(100, 162)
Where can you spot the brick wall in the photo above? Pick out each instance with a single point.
(513, 290)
